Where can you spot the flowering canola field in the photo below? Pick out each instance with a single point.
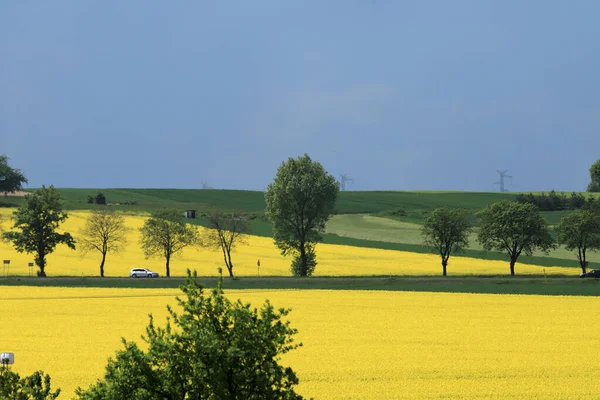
(357, 344)
(333, 260)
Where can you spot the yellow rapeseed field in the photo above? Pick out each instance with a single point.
(333, 260)
(357, 344)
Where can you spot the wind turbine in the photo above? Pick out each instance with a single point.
(205, 185)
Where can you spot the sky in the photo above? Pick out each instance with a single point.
(399, 95)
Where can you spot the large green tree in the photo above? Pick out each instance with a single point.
(36, 223)
(514, 228)
(165, 234)
(299, 202)
(11, 179)
(580, 232)
(594, 185)
(446, 230)
(211, 348)
(105, 232)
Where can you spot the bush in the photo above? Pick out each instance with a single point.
(34, 387)
(213, 349)
(100, 198)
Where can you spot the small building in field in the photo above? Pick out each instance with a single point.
(190, 214)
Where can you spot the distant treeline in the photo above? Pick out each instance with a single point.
(554, 201)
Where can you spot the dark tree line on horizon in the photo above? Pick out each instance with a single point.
(559, 201)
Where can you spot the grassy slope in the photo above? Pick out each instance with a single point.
(555, 285)
(253, 201)
(373, 228)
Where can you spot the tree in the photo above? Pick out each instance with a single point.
(226, 231)
(11, 179)
(104, 231)
(35, 224)
(100, 198)
(212, 349)
(299, 202)
(594, 185)
(165, 234)
(33, 387)
(515, 228)
(580, 232)
(447, 231)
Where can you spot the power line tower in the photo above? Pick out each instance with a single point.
(503, 176)
(344, 178)
(205, 185)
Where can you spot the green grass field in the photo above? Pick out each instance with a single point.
(374, 228)
(554, 285)
(253, 201)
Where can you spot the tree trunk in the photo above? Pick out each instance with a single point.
(229, 264)
(304, 267)
(444, 265)
(167, 265)
(102, 265)
(512, 266)
(41, 262)
(582, 259)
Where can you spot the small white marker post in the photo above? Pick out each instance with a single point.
(6, 359)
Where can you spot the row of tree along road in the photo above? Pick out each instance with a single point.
(164, 234)
(299, 202)
(513, 228)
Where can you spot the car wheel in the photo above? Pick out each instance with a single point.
(134, 275)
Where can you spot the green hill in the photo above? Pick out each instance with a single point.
(253, 201)
(376, 219)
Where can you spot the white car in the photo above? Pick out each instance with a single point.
(142, 273)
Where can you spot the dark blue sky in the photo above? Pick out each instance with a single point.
(398, 94)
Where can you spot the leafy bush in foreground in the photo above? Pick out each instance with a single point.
(213, 349)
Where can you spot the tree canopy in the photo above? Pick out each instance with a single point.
(36, 223)
(11, 179)
(446, 230)
(104, 231)
(514, 228)
(580, 232)
(165, 234)
(34, 387)
(594, 185)
(210, 348)
(299, 202)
